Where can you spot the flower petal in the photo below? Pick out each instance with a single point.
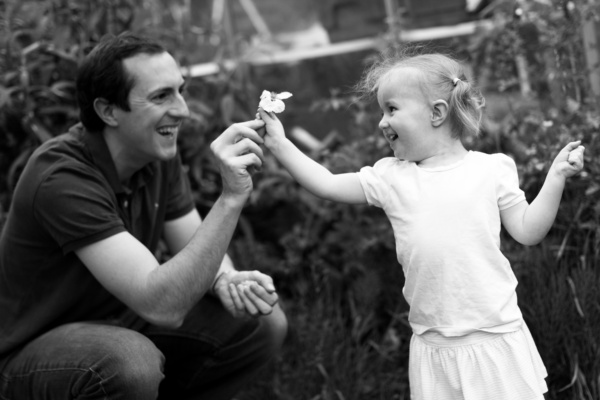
(265, 103)
(284, 95)
(276, 106)
(265, 94)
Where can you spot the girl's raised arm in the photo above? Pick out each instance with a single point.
(343, 188)
(529, 223)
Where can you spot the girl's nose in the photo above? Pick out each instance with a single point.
(383, 122)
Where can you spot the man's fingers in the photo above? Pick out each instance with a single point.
(237, 301)
(263, 280)
(242, 289)
(252, 124)
(270, 298)
(258, 291)
(245, 146)
(262, 306)
(250, 162)
(242, 130)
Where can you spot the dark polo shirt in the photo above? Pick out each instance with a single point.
(69, 196)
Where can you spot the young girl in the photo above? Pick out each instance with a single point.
(446, 204)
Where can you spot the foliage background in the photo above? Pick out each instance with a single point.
(335, 265)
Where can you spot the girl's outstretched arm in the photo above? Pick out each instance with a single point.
(315, 178)
(529, 223)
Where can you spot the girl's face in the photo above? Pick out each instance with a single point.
(406, 115)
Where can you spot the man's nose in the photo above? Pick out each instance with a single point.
(180, 107)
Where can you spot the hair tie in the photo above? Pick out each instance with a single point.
(455, 81)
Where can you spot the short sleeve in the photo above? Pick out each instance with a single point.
(75, 215)
(508, 191)
(372, 179)
(180, 199)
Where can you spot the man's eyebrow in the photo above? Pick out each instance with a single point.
(181, 87)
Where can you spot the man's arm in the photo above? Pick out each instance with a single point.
(256, 299)
(164, 294)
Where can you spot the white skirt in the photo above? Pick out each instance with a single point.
(478, 366)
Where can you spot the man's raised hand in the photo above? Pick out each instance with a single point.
(238, 152)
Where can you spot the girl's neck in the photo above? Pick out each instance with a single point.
(447, 153)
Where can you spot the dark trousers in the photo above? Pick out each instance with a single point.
(210, 357)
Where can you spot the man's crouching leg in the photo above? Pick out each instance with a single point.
(213, 355)
(83, 361)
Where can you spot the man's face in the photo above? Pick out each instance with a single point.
(148, 132)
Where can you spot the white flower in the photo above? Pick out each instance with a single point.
(272, 102)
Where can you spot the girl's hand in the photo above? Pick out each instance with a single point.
(569, 160)
(273, 127)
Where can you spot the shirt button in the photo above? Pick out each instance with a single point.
(125, 203)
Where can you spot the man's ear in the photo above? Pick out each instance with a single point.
(439, 112)
(106, 111)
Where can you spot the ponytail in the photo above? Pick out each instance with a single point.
(465, 108)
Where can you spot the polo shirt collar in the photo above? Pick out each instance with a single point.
(102, 159)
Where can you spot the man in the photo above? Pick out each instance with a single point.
(86, 310)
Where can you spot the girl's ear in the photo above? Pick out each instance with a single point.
(439, 112)
(106, 111)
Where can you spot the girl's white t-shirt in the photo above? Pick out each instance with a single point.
(446, 224)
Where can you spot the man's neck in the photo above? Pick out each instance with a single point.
(125, 164)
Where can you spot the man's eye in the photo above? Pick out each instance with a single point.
(160, 96)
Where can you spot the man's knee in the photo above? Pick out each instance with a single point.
(89, 361)
(135, 365)
(275, 329)
(131, 367)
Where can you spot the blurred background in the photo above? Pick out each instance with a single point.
(537, 62)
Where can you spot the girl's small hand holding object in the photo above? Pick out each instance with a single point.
(569, 160)
(272, 102)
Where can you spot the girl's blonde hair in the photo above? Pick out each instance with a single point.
(439, 72)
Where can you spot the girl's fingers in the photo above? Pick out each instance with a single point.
(576, 156)
(573, 145)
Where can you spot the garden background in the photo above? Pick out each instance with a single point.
(334, 265)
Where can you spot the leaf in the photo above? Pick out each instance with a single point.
(593, 188)
(227, 108)
(64, 89)
(32, 126)
(4, 96)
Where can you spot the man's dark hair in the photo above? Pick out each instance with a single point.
(102, 75)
